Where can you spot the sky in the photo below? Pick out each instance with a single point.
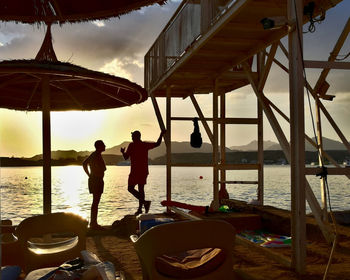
(117, 46)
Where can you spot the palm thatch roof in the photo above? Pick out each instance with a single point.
(61, 11)
(71, 87)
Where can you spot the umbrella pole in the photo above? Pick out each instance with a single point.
(46, 146)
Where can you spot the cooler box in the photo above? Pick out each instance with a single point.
(146, 221)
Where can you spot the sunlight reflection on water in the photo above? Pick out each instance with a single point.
(21, 197)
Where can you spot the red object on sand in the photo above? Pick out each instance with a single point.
(195, 208)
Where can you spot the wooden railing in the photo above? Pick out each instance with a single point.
(191, 20)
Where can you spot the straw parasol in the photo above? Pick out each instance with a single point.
(61, 11)
(46, 84)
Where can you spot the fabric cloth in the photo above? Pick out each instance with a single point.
(191, 263)
(138, 153)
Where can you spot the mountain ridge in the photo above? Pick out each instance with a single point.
(185, 147)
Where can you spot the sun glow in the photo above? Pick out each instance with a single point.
(70, 189)
(76, 126)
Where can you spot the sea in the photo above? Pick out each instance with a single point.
(21, 190)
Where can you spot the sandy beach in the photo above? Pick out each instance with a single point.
(114, 245)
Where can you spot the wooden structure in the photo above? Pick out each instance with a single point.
(218, 46)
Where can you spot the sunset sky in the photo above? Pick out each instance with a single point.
(117, 46)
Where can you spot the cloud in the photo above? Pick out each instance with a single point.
(90, 44)
(128, 68)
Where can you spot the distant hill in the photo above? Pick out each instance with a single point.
(185, 148)
(253, 146)
(62, 155)
(328, 145)
(176, 147)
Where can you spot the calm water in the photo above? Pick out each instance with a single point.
(21, 190)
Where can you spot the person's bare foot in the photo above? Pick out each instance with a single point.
(147, 205)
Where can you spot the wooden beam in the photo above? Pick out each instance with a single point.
(240, 166)
(215, 203)
(297, 132)
(330, 171)
(333, 55)
(32, 94)
(326, 64)
(320, 162)
(168, 143)
(191, 164)
(222, 141)
(64, 89)
(240, 182)
(260, 191)
(266, 70)
(158, 115)
(104, 93)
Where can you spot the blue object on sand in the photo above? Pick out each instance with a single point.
(10, 272)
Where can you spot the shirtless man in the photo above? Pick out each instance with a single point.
(97, 168)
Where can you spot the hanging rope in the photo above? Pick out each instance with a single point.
(309, 11)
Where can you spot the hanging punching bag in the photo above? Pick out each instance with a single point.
(196, 138)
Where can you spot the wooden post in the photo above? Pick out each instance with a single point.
(297, 132)
(168, 143)
(260, 194)
(320, 162)
(215, 203)
(223, 191)
(46, 137)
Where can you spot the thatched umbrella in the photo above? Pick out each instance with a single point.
(61, 11)
(47, 84)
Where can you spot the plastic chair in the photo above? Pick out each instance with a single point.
(161, 241)
(50, 239)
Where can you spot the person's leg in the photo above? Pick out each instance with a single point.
(139, 195)
(142, 194)
(94, 209)
(135, 193)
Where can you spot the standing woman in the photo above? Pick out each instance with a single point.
(97, 168)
